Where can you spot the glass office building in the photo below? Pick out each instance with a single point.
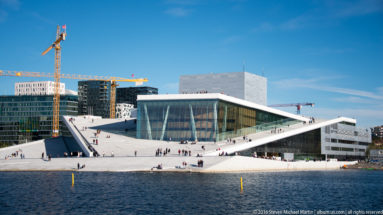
(129, 94)
(29, 118)
(205, 119)
(94, 98)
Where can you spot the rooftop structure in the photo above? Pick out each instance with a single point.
(37, 88)
(242, 85)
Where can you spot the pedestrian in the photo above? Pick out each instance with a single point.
(135, 153)
(78, 165)
(42, 155)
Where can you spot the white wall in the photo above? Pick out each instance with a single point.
(37, 88)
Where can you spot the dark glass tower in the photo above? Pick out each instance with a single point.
(129, 94)
(94, 98)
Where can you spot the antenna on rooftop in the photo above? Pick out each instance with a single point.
(244, 66)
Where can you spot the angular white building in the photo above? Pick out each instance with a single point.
(242, 85)
(37, 88)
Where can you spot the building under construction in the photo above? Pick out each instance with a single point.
(94, 98)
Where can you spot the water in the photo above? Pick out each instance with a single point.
(185, 193)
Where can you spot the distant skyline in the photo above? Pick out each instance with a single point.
(326, 52)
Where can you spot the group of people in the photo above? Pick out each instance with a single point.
(223, 154)
(277, 130)
(311, 121)
(159, 152)
(43, 156)
(184, 152)
(198, 92)
(80, 166)
(15, 155)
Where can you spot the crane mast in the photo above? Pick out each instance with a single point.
(56, 97)
(60, 36)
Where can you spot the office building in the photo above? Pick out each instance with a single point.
(94, 98)
(29, 118)
(37, 88)
(128, 95)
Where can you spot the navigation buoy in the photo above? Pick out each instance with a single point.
(241, 185)
(72, 179)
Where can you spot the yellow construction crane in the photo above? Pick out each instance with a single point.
(60, 36)
(113, 81)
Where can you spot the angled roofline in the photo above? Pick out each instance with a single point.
(219, 96)
(271, 138)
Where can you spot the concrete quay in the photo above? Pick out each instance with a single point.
(169, 164)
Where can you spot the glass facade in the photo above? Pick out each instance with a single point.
(306, 145)
(202, 120)
(29, 118)
(94, 98)
(129, 94)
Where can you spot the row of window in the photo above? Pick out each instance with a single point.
(332, 140)
(344, 149)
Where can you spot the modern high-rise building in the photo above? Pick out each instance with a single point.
(29, 118)
(37, 88)
(129, 94)
(242, 85)
(94, 98)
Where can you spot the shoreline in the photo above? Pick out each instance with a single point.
(212, 165)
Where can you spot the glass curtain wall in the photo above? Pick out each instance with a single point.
(29, 118)
(306, 145)
(202, 120)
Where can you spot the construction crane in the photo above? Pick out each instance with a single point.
(60, 36)
(113, 81)
(298, 105)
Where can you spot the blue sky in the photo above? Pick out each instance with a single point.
(326, 52)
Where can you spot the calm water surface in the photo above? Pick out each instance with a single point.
(184, 193)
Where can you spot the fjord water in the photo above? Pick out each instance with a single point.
(188, 193)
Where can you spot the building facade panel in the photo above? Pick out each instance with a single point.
(202, 120)
(129, 95)
(343, 139)
(37, 88)
(94, 98)
(29, 118)
(242, 85)
(255, 88)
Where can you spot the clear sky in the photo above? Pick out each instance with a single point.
(326, 52)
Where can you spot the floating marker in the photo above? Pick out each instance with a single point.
(73, 179)
(241, 185)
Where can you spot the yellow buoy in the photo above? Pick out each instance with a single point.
(72, 179)
(241, 185)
